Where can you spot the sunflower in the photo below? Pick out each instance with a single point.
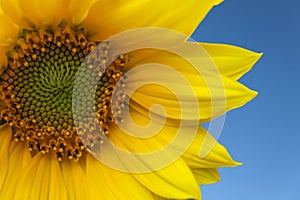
(44, 151)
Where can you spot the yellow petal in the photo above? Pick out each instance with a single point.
(165, 145)
(78, 10)
(13, 9)
(19, 157)
(46, 13)
(18, 153)
(175, 181)
(232, 61)
(212, 93)
(8, 32)
(75, 180)
(206, 152)
(40, 179)
(206, 176)
(107, 183)
(152, 137)
(237, 95)
(165, 180)
(136, 140)
(5, 135)
(107, 17)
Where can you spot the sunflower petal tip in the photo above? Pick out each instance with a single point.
(256, 57)
(238, 164)
(234, 163)
(250, 94)
(254, 93)
(259, 56)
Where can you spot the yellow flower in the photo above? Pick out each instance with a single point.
(45, 152)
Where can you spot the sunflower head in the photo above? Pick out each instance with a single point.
(65, 91)
(37, 86)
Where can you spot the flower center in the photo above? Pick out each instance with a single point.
(37, 88)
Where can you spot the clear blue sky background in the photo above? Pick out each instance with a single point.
(264, 134)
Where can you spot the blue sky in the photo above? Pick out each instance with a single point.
(264, 134)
